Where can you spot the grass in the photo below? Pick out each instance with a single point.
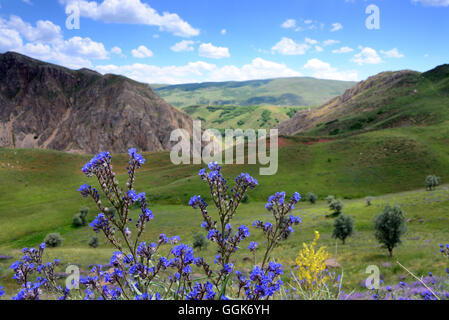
(38, 196)
(238, 117)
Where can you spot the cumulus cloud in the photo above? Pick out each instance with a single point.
(336, 27)
(289, 23)
(201, 71)
(393, 53)
(184, 45)
(324, 70)
(44, 31)
(45, 41)
(208, 50)
(367, 56)
(142, 52)
(343, 50)
(289, 47)
(330, 42)
(133, 12)
(433, 3)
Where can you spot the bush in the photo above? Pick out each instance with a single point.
(329, 199)
(199, 241)
(432, 182)
(94, 242)
(312, 197)
(80, 219)
(368, 201)
(343, 228)
(245, 199)
(53, 240)
(336, 206)
(389, 226)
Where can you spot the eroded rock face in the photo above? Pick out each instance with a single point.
(51, 107)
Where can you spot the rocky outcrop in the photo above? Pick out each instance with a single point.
(51, 107)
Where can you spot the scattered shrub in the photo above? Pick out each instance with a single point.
(199, 241)
(389, 226)
(94, 242)
(329, 199)
(432, 182)
(80, 219)
(336, 206)
(53, 240)
(312, 197)
(368, 201)
(343, 228)
(245, 199)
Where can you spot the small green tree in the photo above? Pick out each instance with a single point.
(343, 227)
(336, 206)
(245, 199)
(432, 182)
(199, 241)
(80, 219)
(389, 226)
(53, 240)
(329, 199)
(368, 201)
(94, 242)
(312, 197)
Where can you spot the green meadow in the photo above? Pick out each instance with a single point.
(38, 195)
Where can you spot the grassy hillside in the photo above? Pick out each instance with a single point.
(280, 92)
(390, 99)
(246, 117)
(38, 195)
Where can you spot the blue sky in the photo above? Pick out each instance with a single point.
(179, 41)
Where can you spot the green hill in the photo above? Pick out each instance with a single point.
(278, 92)
(242, 117)
(387, 100)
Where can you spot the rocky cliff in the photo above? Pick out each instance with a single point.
(51, 107)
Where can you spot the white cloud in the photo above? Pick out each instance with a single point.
(393, 53)
(45, 31)
(133, 12)
(330, 42)
(142, 52)
(319, 48)
(208, 50)
(343, 50)
(323, 70)
(289, 23)
(10, 40)
(184, 45)
(289, 47)
(433, 3)
(154, 74)
(201, 71)
(336, 27)
(117, 51)
(310, 41)
(367, 56)
(257, 69)
(223, 31)
(308, 21)
(83, 47)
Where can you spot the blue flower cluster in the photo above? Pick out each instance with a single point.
(97, 163)
(262, 283)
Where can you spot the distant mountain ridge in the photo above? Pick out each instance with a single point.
(276, 92)
(51, 107)
(386, 100)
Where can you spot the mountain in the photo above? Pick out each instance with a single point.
(387, 100)
(278, 92)
(50, 107)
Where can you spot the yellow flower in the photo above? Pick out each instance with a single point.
(311, 265)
